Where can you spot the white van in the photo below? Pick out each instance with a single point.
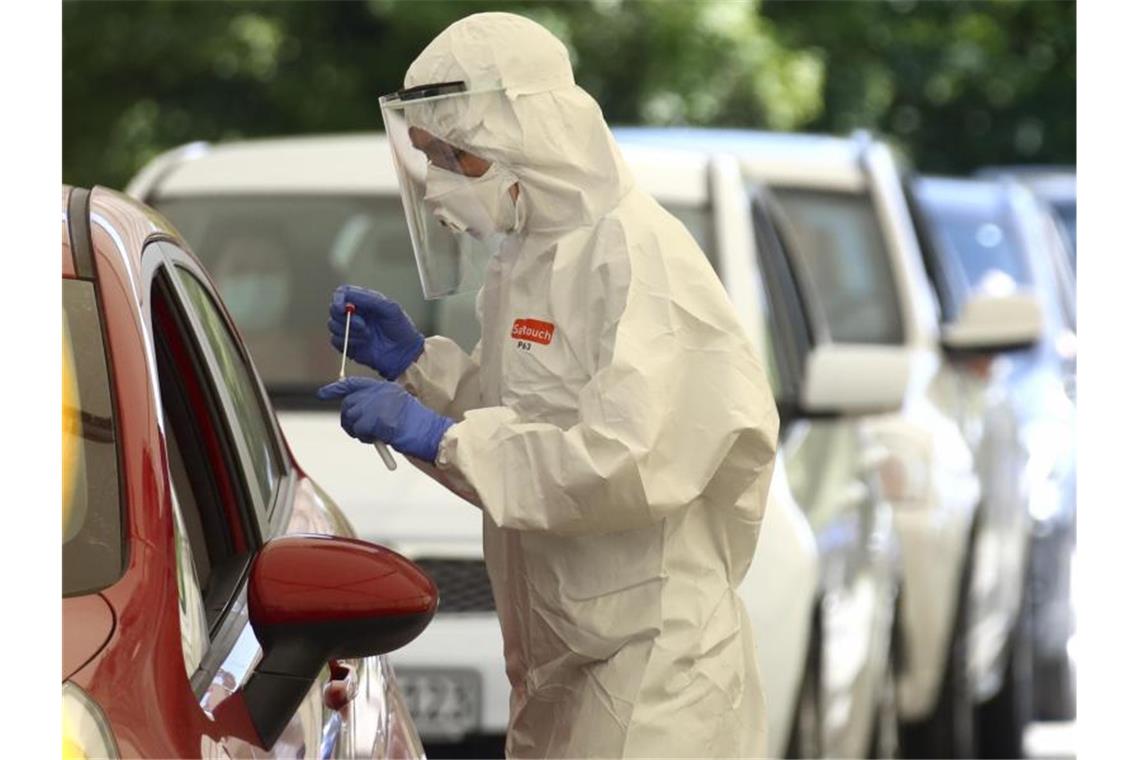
(301, 215)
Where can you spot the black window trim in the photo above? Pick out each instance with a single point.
(793, 309)
(809, 303)
(176, 259)
(223, 635)
(934, 262)
(791, 345)
(237, 565)
(233, 570)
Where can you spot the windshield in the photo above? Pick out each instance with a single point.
(838, 237)
(979, 242)
(92, 519)
(276, 261)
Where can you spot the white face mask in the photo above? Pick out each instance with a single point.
(480, 206)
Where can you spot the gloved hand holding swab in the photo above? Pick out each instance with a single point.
(381, 449)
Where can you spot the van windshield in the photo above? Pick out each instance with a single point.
(276, 260)
(979, 238)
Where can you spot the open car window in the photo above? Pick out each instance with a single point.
(216, 526)
(263, 466)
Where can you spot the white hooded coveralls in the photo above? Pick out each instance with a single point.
(614, 424)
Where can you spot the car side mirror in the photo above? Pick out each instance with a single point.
(991, 324)
(849, 379)
(315, 598)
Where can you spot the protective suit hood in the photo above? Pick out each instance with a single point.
(526, 113)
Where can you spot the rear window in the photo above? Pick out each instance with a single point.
(838, 237)
(276, 261)
(92, 513)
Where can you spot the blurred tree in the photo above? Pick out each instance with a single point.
(141, 77)
(958, 84)
(145, 76)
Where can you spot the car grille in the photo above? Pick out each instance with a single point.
(463, 584)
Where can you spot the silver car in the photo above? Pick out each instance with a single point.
(835, 466)
(324, 210)
(984, 232)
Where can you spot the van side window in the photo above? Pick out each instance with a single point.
(839, 239)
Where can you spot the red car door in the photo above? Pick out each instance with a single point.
(234, 488)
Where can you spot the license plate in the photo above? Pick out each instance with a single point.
(443, 703)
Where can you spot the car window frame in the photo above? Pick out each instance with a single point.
(160, 256)
(799, 321)
(177, 258)
(934, 260)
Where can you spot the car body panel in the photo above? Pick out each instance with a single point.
(782, 590)
(933, 518)
(93, 621)
(138, 677)
(849, 522)
(859, 573)
(426, 522)
(773, 593)
(1029, 431)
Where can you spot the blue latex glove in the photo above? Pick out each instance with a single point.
(382, 336)
(377, 410)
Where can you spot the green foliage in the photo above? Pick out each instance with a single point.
(142, 77)
(958, 84)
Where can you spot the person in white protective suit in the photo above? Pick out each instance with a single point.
(614, 423)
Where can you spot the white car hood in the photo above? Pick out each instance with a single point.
(403, 509)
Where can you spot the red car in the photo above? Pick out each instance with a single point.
(215, 601)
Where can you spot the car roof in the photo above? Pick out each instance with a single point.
(778, 158)
(361, 164)
(119, 229)
(973, 195)
(1056, 184)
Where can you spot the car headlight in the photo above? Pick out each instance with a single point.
(86, 733)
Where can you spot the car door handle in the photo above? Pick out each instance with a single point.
(341, 687)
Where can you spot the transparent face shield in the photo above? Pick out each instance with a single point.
(459, 207)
